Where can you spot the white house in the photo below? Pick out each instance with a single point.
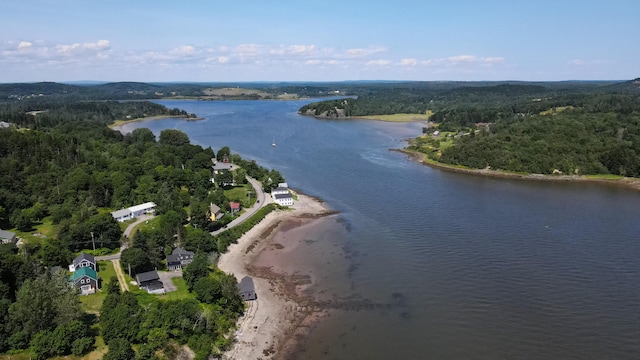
(122, 215)
(283, 199)
(141, 209)
(134, 211)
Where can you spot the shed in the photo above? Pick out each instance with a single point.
(246, 289)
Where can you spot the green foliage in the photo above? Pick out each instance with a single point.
(119, 349)
(173, 137)
(73, 338)
(120, 317)
(197, 269)
(137, 259)
(43, 304)
(225, 238)
(208, 290)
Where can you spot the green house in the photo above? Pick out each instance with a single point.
(85, 279)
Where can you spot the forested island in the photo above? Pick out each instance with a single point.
(565, 128)
(62, 172)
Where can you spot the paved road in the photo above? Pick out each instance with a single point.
(262, 200)
(127, 234)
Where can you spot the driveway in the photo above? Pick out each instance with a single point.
(166, 276)
(127, 234)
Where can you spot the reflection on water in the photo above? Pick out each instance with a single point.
(481, 268)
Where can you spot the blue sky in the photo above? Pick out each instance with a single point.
(210, 40)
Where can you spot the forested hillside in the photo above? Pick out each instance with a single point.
(63, 170)
(546, 128)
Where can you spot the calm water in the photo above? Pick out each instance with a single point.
(477, 268)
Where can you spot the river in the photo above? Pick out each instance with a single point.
(471, 267)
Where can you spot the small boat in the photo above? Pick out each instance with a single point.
(273, 143)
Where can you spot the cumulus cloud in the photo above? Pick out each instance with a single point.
(462, 59)
(77, 47)
(223, 59)
(408, 62)
(493, 60)
(23, 45)
(577, 62)
(378, 62)
(185, 50)
(364, 52)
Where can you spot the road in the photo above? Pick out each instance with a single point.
(127, 235)
(115, 258)
(262, 200)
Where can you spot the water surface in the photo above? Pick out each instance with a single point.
(475, 268)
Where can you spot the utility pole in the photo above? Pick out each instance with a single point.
(93, 242)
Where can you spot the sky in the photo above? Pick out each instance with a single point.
(310, 40)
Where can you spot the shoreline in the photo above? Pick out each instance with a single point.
(119, 123)
(624, 182)
(280, 318)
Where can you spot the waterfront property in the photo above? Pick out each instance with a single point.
(281, 195)
(7, 237)
(178, 259)
(150, 281)
(246, 289)
(134, 211)
(85, 279)
(83, 260)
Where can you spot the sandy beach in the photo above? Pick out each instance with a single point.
(272, 324)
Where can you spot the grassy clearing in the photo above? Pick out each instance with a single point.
(605, 177)
(181, 293)
(556, 110)
(92, 303)
(240, 193)
(399, 117)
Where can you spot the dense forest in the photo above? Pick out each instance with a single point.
(544, 128)
(63, 169)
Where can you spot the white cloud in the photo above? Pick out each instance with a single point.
(577, 62)
(77, 47)
(408, 62)
(378, 62)
(494, 60)
(363, 52)
(223, 59)
(313, 62)
(185, 50)
(23, 45)
(462, 59)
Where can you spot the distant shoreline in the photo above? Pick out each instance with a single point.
(625, 182)
(118, 123)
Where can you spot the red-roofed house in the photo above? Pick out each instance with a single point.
(235, 207)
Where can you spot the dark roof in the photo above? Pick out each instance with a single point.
(147, 276)
(155, 285)
(173, 259)
(246, 285)
(84, 256)
(283, 196)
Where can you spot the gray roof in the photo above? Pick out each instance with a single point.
(147, 276)
(246, 285)
(181, 251)
(84, 256)
(173, 259)
(121, 213)
(7, 234)
(214, 208)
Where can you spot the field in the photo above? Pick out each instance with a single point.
(399, 117)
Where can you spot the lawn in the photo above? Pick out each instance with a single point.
(239, 193)
(44, 230)
(92, 303)
(181, 293)
(399, 117)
